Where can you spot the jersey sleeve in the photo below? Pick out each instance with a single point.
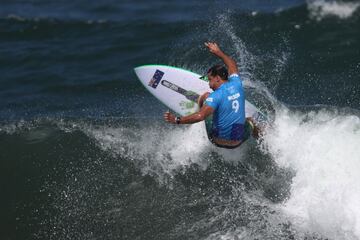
(234, 78)
(213, 100)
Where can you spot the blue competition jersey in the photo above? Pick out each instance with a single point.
(228, 102)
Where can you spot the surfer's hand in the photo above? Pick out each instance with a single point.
(169, 117)
(213, 48)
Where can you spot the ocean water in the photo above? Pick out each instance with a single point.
(85, 153)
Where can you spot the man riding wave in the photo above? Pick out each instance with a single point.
(229, 127)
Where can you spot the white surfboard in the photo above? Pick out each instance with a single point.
(179, 89)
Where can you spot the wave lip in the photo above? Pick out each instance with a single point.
(320, 9)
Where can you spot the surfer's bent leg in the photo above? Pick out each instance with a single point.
(256, 132)
(223, 143)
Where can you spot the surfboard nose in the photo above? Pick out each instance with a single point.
(137, 70)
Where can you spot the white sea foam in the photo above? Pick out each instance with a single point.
(160, 150)
(323, 149)
(320, 8)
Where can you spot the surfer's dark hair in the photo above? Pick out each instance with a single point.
(218, 70)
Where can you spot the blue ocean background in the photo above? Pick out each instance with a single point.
(85, 153)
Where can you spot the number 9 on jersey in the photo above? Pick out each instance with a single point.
(235, 105)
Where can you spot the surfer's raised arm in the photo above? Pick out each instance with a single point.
(229, 62)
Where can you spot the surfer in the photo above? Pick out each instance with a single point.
(228, 127)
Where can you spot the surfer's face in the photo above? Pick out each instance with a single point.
(213, 81)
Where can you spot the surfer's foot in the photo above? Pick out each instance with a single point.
(256, 131)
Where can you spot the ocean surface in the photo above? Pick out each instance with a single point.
(85, 153)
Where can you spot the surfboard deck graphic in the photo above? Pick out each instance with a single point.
(188, 94)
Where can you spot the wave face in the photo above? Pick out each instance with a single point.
(85, 154)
